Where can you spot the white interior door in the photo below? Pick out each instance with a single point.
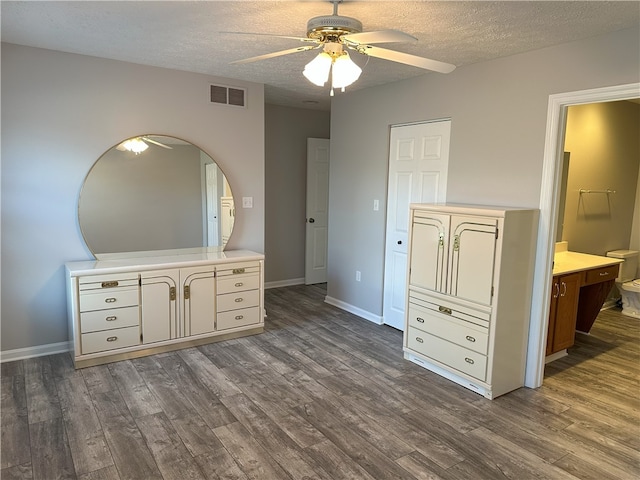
(211, 175)
(418, 162)
(317, 210)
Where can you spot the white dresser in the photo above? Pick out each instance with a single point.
(470, 276)
(126, 306)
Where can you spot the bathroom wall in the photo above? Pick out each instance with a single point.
(602, 139)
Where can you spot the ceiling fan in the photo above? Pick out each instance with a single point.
(335, 34)
(138, 145)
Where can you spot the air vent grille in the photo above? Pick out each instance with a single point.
(224, 95)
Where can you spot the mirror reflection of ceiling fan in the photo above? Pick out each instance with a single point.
(138, 145)
(334, 35)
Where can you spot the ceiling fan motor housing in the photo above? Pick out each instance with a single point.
(332, 27)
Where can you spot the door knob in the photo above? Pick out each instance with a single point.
(399, 242)
(312, 220)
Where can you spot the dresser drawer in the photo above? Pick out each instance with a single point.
(458, 331)
(238, 318)
(603, 274)
(97, 320)
(235, 301)
(447, 353)
(233, 269)
(238, 283)
(110, 339)
(97, 282)
(108, 299)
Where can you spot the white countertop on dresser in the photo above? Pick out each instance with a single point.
(115, 263)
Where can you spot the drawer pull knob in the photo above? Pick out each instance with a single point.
(111, 318)
(469, 360)
(604, 274)
(112, 339)
(238, 270)
(420, 320)
(470, 338)
(239, 317)
(445, 310)
(419, 340)
(109, 284)
(110, 300)
(238, 300)
(239, 284)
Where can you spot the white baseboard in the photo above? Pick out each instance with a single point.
(377, 319)
(284, 283)
(31, 352)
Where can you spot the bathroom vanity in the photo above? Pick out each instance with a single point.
(130, 305)
(581, 283)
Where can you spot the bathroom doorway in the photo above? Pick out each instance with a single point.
(549, 201)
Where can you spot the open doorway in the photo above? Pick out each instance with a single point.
(549, 201)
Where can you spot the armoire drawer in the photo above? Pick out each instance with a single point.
(238, 318)
(110, 339)
(109, 298)
(235, 301)
(238, 283)
(97, 320)
(458, 331)
(464, 360)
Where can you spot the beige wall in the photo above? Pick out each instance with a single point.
(603, 141)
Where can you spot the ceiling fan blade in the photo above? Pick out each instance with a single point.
(147, 139)
(301, 39)
(380, 36)
(407, 59)
(275, 54)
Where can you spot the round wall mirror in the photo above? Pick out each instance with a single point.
(154, 192)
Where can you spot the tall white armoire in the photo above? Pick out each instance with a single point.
(470, 278)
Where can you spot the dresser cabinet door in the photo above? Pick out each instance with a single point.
(160, 306)
(198, 300)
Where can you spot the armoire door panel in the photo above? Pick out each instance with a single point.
(428, 255)
(472, 247)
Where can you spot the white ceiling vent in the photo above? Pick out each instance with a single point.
(224, 95)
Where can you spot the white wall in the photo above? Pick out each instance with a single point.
(60, 112)
(499, 112)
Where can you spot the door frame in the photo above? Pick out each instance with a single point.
(549, 201)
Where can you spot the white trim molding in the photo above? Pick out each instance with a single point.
(284, 283)
(377, 319)
(32, 352)
(553, 153)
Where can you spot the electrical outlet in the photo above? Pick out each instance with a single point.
(357, 275)
(247, 202)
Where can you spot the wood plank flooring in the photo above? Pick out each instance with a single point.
(322, 394)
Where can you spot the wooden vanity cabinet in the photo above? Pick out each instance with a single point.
(121, 309)
(565, 293)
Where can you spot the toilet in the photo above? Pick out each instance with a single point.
(627, 284)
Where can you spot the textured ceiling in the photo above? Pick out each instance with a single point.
(186, 35)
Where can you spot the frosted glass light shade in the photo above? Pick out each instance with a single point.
(317, 70)
(345, 71)
(135, 145)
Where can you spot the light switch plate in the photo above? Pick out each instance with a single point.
(247, 202)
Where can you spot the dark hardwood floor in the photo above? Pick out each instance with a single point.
(321, 394)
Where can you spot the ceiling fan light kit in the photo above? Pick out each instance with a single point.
(135, 145)
(333, 33)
